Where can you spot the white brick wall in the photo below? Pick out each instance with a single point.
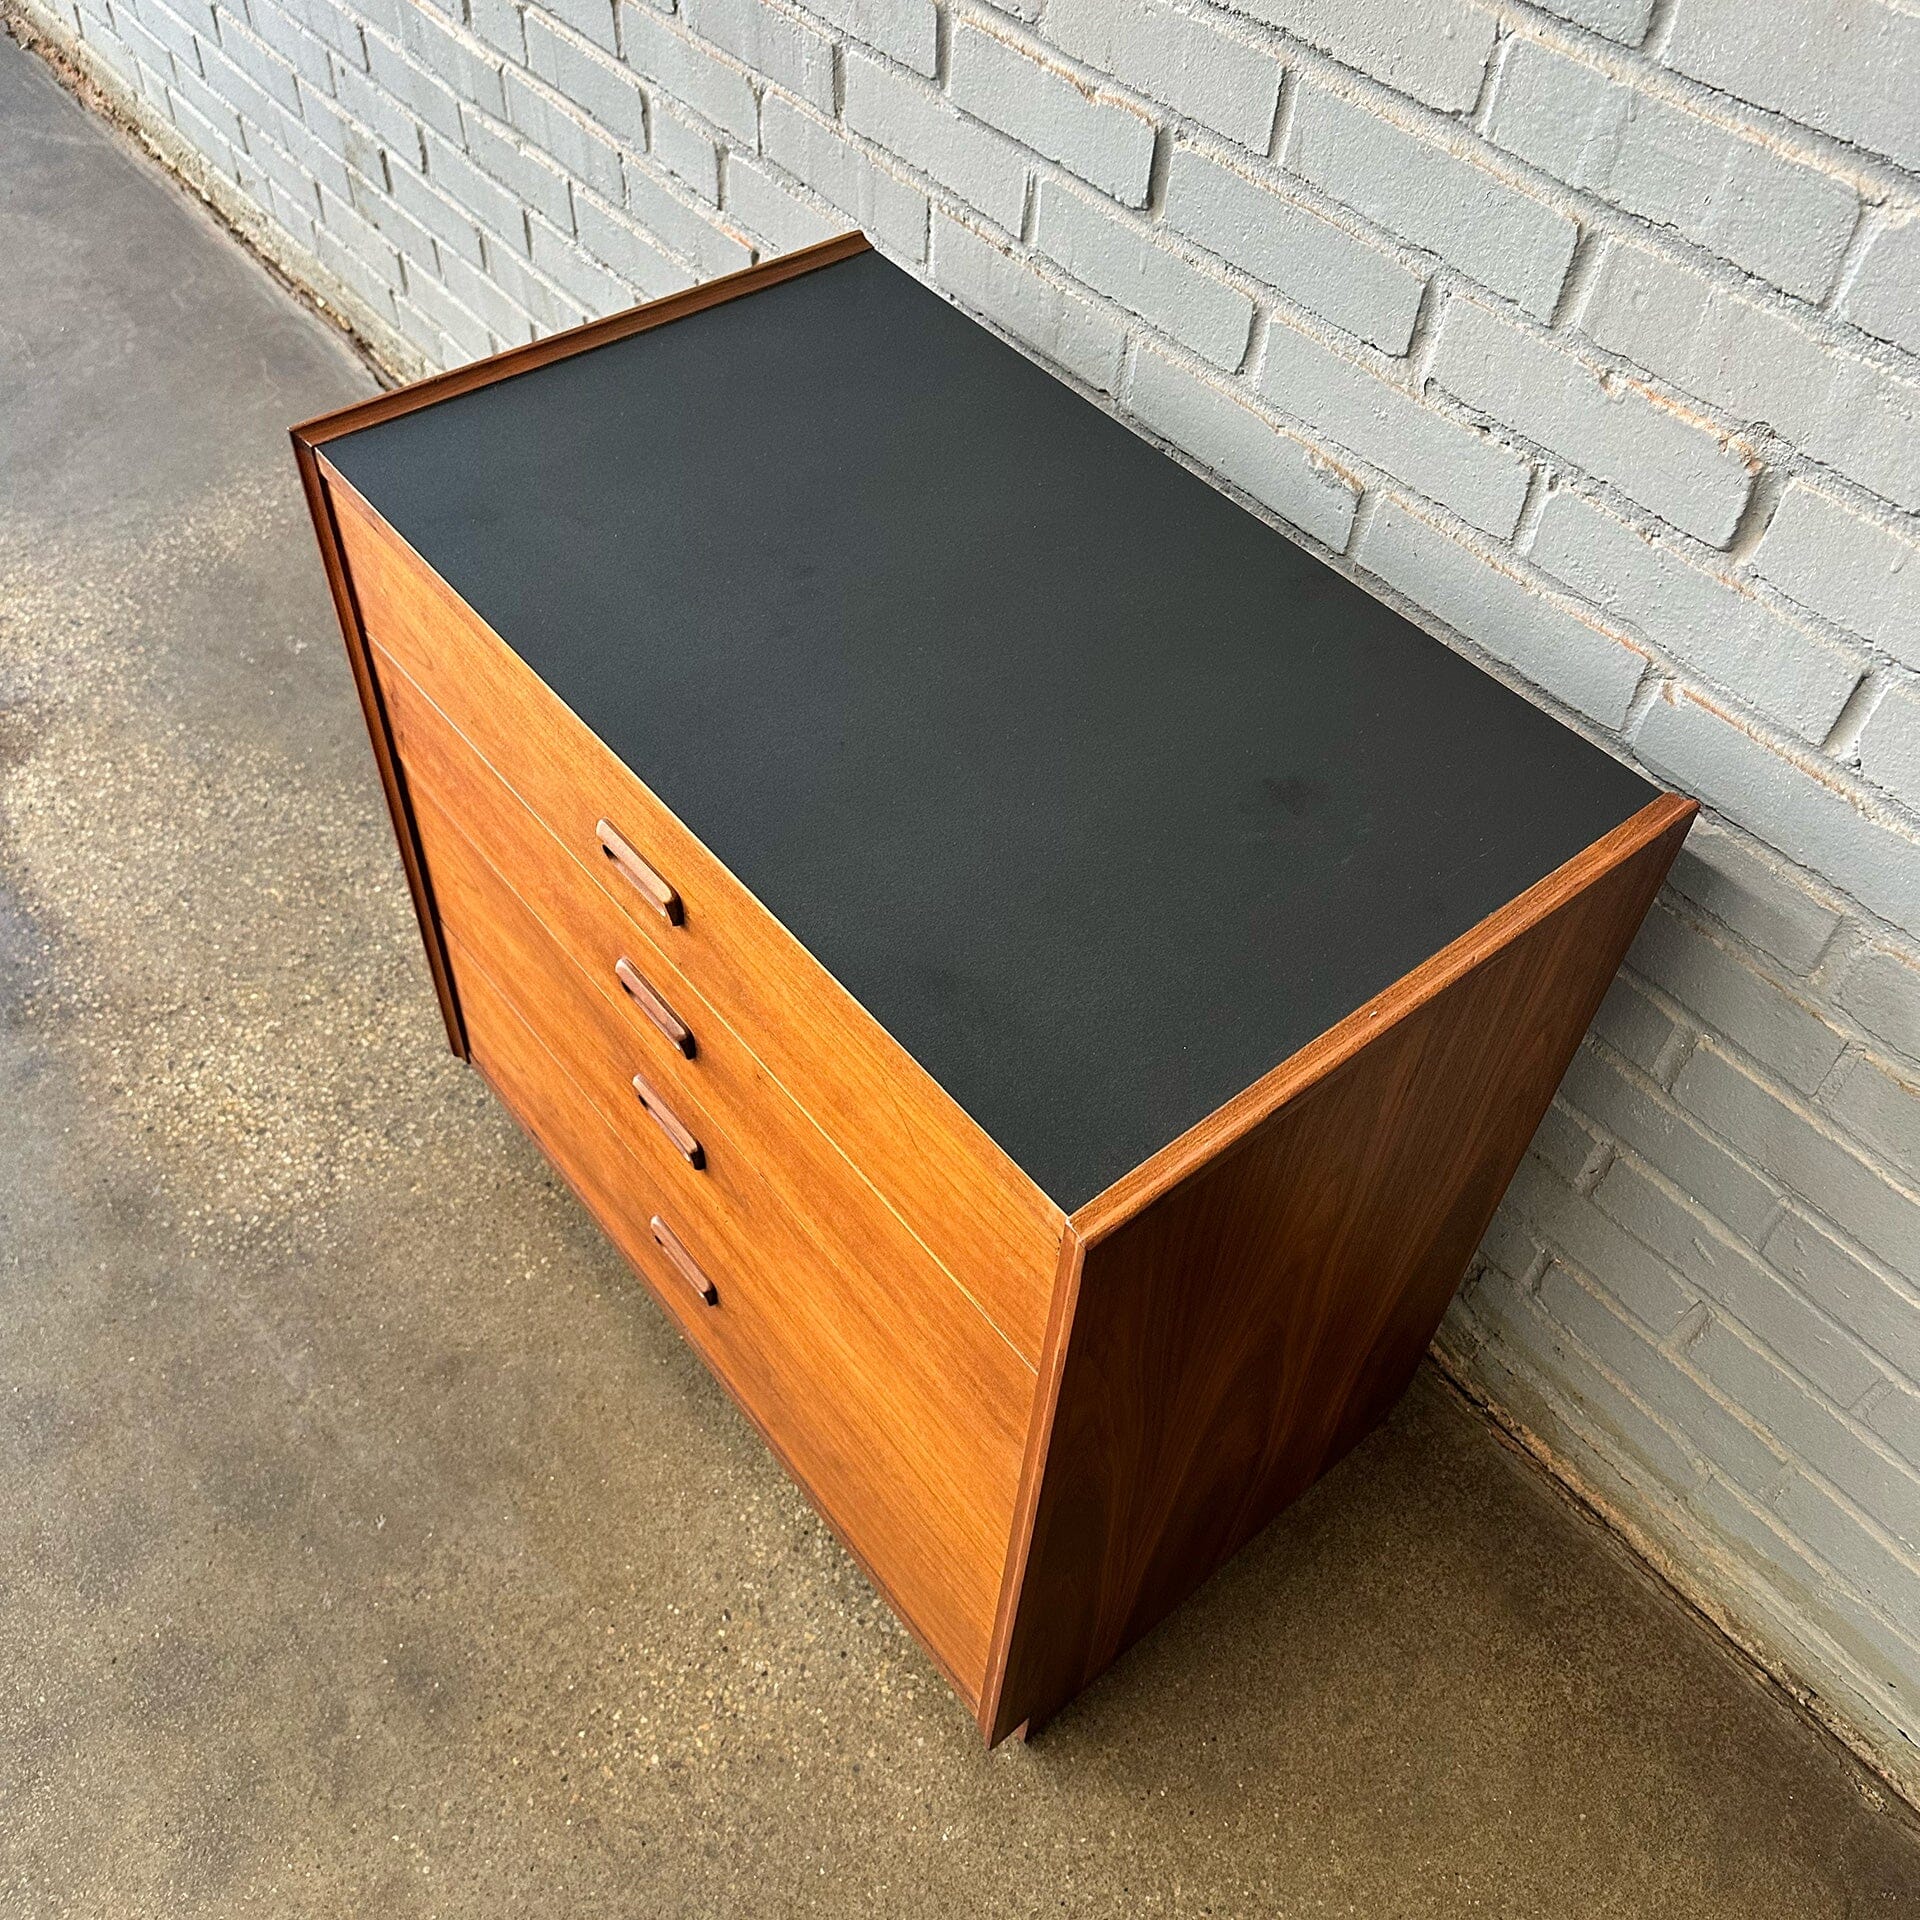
(1585, 330)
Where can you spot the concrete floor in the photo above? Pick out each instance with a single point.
(369, 1543)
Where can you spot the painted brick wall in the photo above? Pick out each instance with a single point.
(1585, 330)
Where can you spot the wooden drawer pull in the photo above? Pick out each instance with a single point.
(641, 991)
(652, 888)
(689, 1267)
(670, 1124)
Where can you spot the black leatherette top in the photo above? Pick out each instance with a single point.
(1101, 795)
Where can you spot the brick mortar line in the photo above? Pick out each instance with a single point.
(1463, 139)
(391, 360)
(1873, 175)
(1893, 1765)
(1707, 1469)
(1543, 1232)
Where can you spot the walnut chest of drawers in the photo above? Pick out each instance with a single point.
(1044, 980)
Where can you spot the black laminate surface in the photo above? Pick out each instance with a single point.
(1101, 795)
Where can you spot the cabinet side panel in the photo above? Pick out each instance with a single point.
(353, 633)
(1033, 1473)
(1234, 1338)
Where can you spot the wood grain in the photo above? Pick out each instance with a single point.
(1236, 1330)
(583, 1030)
(905, 1434)
(981, 1216)
(327, 532)
(1033, 1472)
(604, 1180)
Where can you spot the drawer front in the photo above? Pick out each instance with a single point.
(993, 1229)
(889, 1396)
(730, 1101)
(590, 1039)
